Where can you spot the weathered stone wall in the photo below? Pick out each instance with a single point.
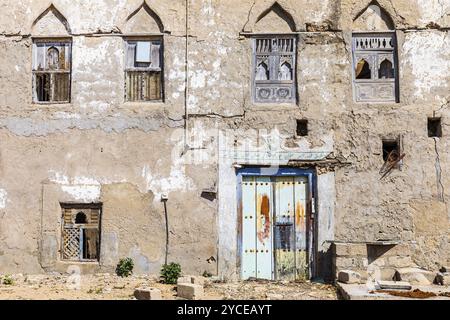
(98, 148)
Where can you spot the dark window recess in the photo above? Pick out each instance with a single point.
(363, 70)
(434, 127)
(81, 232)
(390, 147)
(386, 70)
(302, 128)
(80, 218)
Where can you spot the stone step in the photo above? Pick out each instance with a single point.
(394, 285)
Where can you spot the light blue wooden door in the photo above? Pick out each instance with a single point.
(248, 205)
(264, 228)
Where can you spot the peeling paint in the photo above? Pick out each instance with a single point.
(427, 54)
(3, 198)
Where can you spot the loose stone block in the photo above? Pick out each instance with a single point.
(415, 276)
(184, 279)
(147, 294)
(190, 291)
(349, 276)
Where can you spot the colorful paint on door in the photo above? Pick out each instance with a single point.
(301, 198)
(264, 228)
(284, 229)
(274, 227)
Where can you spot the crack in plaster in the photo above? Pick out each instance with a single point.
(440, 185)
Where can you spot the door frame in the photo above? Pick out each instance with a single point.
(261, 171)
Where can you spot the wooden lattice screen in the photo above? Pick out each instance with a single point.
(71, 243)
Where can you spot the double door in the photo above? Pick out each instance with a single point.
(275, 220)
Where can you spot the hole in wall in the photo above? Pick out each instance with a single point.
(302, 128)
(434, 127)
(390, 147)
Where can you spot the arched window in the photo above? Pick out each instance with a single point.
(285, 72)
(262, 72)
(274, 69)
(363, 70)
(374, 51)
(80, 218)
(386, 70)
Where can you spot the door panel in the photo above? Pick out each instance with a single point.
(301, 208)
(284, 228)
(274, 227)
(248, 262)
(264, 228)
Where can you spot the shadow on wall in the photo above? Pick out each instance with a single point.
(325, 268)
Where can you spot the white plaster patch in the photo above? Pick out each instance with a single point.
(432, 10)
(198, 79)
(177, 70)
(427, 53)
(66, 115)
(208, 13)
(3, 198)
(176, 181)
(83, 193)
(81, 188)
(175, 95)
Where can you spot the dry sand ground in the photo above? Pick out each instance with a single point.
(112, 287)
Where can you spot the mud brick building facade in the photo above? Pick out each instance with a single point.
(277, 140)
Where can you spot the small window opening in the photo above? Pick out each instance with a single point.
(80, 218)
(81, 232)
(434, 127)
(302, 128)
(363, 70)
(391, 150)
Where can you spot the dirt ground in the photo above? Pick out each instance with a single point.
(112, 287)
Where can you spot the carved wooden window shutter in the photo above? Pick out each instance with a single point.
(143, 70)
(52, 70)
(274, 69)
(375, 76)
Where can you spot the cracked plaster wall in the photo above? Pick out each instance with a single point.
(98, 147)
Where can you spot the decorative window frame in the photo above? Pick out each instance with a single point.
(128, 68)
(273, 88)
(69, 228)
(60, 41)
(375, 47)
